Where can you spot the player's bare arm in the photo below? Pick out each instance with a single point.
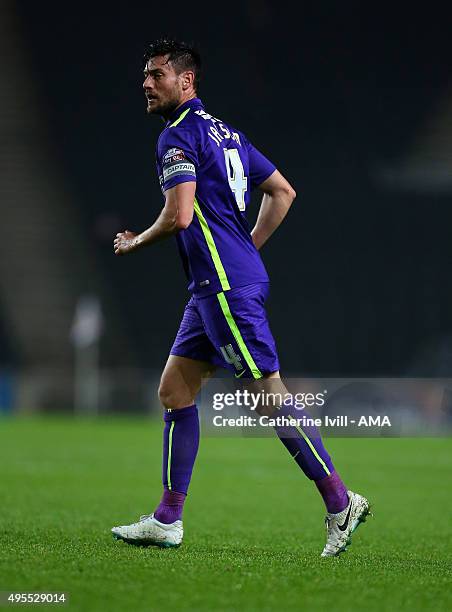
(277, 199)
(176, 215)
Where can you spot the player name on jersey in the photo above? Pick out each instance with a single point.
(218, 136)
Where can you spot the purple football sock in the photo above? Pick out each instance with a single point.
(334, 493)
(304, 443)
(180, 446)
(170, 507)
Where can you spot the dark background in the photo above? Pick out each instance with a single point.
(332, 92)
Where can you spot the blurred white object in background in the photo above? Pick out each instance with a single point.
(86, 331)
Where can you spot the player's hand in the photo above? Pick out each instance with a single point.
(125, 242)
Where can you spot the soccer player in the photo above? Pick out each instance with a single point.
(207, 169)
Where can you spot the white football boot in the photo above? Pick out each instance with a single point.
(149, 531)
(340, 526)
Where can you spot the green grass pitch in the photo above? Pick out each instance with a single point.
(253, 524)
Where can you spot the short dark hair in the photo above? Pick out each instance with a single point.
(183, 56)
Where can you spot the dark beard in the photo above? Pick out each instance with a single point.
(165, 110)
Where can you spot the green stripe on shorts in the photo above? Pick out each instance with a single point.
(238, 336)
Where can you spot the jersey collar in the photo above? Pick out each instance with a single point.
(193, 103)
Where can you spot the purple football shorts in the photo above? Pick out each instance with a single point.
(229, 329)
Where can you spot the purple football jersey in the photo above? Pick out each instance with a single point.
(216, 249)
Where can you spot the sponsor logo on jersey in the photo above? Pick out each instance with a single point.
(173, 155)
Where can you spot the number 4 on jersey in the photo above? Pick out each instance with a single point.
(238, 182)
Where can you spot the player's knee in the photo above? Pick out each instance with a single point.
(171, 397)
(165, 395)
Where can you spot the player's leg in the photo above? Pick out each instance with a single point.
(181, 382)
(244, 338)
(190, 362)
(345, 509)
(303, 443)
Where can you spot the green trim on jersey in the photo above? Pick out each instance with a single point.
(238, 336)
(212, 247)
(170, 448)
(180, 118)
